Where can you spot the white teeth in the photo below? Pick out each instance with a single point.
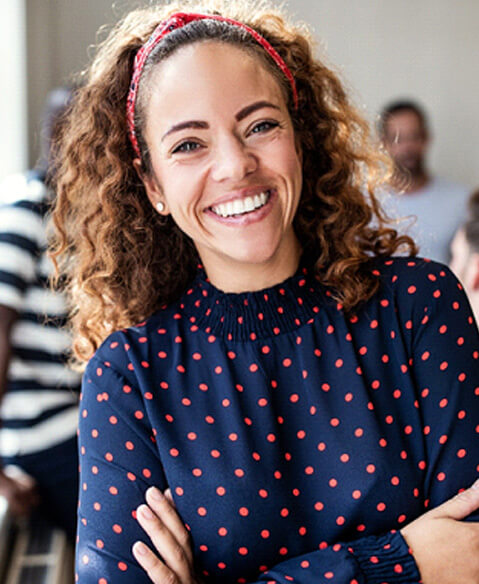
(249, 204)
(241, 206)
(221, 210)
(237, 207)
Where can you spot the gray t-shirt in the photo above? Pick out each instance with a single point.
(430, 215)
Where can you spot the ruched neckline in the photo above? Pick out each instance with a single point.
(260, 314)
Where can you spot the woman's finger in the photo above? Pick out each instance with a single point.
(162, 505)
(461, 505)
(169, 496)
(173, 554)
(157, 571)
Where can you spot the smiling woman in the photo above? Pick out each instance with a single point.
(293, 397)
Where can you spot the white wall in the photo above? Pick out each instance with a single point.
(426, 49)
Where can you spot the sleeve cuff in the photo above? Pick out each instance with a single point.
(386, 559)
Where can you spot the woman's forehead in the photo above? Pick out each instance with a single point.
(212, 64)
(210, 74)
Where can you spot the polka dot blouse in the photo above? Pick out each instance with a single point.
(296, 439)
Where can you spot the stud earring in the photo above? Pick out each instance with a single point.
(160, 207)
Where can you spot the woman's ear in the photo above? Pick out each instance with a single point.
(153, 189)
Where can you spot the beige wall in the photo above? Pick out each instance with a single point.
(427, 49)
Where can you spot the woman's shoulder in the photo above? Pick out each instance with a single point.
(125, 349)
(416, 281)
(407, 272)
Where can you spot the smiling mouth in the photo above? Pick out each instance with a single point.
(242, 206)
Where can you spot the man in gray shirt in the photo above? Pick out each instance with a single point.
(435, 205)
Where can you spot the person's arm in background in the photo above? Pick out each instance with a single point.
(20, 496)
(7, 317)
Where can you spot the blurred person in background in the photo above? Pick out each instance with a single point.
(438, 204)
(38, 412)
(465, 254)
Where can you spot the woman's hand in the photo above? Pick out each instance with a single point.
(445, 548)
(169, 537)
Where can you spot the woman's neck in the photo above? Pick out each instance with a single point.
(236, 276)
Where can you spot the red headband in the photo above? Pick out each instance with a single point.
(176, 21)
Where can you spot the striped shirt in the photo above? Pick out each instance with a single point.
(39, 409)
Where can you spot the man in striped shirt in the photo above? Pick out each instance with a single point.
(38, 410)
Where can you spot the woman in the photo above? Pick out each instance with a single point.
(303, 395)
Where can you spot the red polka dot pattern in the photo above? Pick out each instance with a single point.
(283, 433)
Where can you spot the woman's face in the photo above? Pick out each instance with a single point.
(224, 161)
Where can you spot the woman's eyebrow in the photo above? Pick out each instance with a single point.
(243, 113)
(185, 125)
(249, 109)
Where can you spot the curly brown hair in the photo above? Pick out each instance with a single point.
(121, 261)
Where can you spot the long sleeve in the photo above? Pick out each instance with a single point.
(118, 462)
(370, 560)
(19, 252)
(18, 260)
(445, 349)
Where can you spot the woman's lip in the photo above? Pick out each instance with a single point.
(246, 218)
(239, 195)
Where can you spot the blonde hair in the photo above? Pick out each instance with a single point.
(121, 261)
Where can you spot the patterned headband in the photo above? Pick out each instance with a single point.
(177, 21)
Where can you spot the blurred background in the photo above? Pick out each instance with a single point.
(427, 50)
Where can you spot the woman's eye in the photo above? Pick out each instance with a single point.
(264, 127)
(186, 147)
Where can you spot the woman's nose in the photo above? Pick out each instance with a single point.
(233, 160)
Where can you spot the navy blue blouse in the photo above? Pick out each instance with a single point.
(296, 439)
